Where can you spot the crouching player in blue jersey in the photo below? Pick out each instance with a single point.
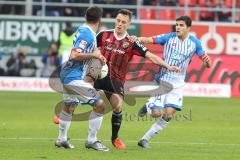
(77, 88)
(179, 48)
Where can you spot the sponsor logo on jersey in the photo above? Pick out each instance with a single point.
(83, 44)
(112, 48)
(125, 44)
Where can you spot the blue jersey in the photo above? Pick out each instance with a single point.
(85, 41)
(177, 53)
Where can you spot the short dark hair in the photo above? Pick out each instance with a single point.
(186, 19)
(125, 12)
(93, 14)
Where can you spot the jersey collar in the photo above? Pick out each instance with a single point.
(120, 37)
(87, 26)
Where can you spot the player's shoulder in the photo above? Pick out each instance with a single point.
(84, 32)
(83, 29)
(172, 34)
(194, 40)
(164, 38)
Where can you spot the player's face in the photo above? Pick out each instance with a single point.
(122, 23)
(182, 29)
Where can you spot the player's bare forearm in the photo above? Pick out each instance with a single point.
(77, 54)
(159, 61)
(145, 40)
(80, 56)
(156, 60)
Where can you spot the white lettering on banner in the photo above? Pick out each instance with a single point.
(233, 44)
(190, 89)
(42, 85)
(217, 38)
(44, 31)
(207, 90)
(24, 84)
(2, 33)
(56, 30)
(16, 30)
(13, 31)
(13, 48)
(28, 29)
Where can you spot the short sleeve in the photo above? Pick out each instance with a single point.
(162, 39)
(83, 39)
(199, 49)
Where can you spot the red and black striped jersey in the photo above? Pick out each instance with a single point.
(118, 52)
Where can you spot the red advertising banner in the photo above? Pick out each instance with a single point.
(215, 38)
(224, 70)
(221, 41)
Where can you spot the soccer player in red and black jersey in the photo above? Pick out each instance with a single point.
(118, 51)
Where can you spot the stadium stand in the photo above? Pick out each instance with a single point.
(198, 10)
(204, 10)
(167, 14)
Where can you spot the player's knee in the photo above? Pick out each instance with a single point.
(117, 108)
(100, 107)
(116, 103)
(169, 114)
(99, 110)
(69, 109)
(156, 113)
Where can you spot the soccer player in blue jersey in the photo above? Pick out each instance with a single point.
(77, 88)
(179, 48)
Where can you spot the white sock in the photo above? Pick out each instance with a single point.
(156, 127)
(64, 124)
(95, 121)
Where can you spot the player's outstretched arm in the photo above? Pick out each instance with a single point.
(206, 60)
(159, 61)
(77, 54)
(143, 40)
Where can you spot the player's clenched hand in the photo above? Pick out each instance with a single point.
(103, 60)
(132, 38)
(174, 68)
(97, 54)
(206, 60)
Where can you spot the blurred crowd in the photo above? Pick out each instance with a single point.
(20, 64)
(57, 53)
(52, 10)
(224, 13)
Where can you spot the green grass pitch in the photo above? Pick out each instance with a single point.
(207, 128)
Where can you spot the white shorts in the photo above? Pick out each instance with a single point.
(80, 92)
(174, 99)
